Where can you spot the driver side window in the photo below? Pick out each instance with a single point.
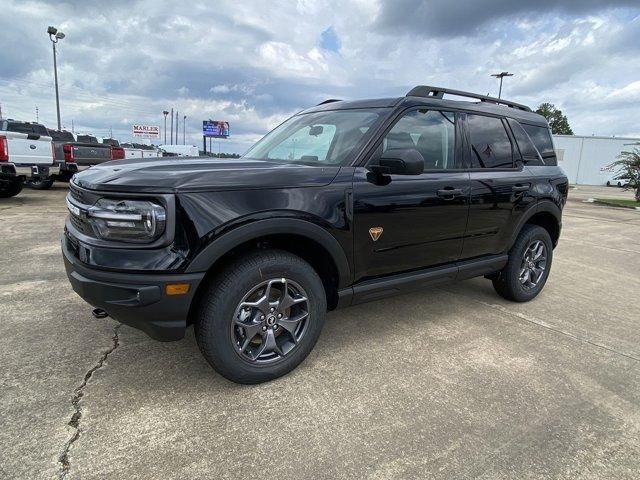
(430, 132)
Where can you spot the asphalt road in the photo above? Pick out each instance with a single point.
(448, 383)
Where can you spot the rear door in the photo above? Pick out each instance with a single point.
(405, 222)
(29, 144)
(500, 185)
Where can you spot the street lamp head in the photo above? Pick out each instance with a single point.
(52, 30)
(165, 113)
(60, 35)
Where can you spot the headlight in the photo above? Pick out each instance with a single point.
(136, 221)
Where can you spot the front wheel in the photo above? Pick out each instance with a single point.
(261, 316)
(527, 269)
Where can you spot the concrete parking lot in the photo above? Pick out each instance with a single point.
(447, 383)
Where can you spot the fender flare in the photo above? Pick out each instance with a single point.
(541, 206)
(259, 228)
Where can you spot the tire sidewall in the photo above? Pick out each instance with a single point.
(214, 333)
(529, 234)
(11, 190)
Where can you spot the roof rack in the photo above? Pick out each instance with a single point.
(330, 100)
(437, 92)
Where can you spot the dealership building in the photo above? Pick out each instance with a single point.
(587, 160)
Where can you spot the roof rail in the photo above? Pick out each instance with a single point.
(329, 100)
(437, 92)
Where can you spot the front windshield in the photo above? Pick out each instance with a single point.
(320, 138)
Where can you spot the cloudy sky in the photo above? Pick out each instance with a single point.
(254, 63)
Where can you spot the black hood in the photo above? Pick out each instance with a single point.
(180, 174)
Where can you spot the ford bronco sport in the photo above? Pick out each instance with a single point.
(346, 202)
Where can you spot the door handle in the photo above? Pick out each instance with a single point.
(520, 188)
(449, 193)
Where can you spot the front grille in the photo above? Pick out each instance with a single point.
(81, 224)
(77, 194)
(81, 199)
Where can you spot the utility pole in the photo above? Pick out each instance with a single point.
(501, 75)
(172, 126)
(0, 111)
(55, 36)
(37, 116)
(184, 128)
(72, 129)
(177, 127)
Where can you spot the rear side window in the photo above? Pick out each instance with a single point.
(490, 144)
(541, 138)
(28, 128)
(61, 136)
(87, 139)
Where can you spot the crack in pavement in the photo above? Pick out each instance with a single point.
(78, 393)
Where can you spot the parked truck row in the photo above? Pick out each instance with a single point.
(34, 155)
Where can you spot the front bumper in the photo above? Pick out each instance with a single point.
(137, 300)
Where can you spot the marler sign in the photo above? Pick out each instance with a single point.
(146, 131)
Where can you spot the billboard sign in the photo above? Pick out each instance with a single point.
(146, 131)
(215, 128)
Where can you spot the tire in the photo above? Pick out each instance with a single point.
(608, 183)
(10, 189)
(40, 184)
(225, 325)
(619, 184)
(511, 283)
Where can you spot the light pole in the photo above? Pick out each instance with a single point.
(165, 113)
(171, 126)
(501, 75)
(55, 36)
(184, 128)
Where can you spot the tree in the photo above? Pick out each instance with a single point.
(557, 121)
(629, 163)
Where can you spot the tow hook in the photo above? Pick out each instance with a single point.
(99, 313)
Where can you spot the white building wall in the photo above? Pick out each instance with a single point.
(582, 158)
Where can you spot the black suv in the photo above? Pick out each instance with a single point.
(346, 202)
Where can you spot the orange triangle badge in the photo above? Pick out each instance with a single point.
(375, 233)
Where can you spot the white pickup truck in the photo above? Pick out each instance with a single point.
(26, 153)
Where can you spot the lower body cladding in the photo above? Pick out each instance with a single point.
(138, 300)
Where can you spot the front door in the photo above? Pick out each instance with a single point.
(406, 222)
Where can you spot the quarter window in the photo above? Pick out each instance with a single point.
(430, 132)
(541, 138)
(490, 144)
(530, 155)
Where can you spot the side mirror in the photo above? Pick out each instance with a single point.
(399, 161)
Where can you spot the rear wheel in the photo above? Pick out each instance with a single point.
(10, 189)
(261, 316)
(527, 269)
(40, 183)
